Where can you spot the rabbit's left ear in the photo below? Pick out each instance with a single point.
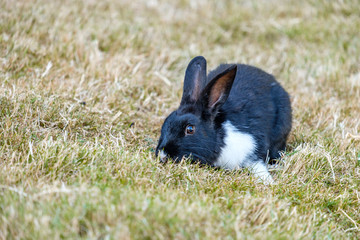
(217, 91)
(195, 79)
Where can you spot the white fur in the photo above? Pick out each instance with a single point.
(261, 172)
(239, 151)
(238, 148)
(162, 155)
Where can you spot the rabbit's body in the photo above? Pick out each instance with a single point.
(239, 115)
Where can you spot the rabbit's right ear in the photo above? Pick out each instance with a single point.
(195, 79)
(217, 91)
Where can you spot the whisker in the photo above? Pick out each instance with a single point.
(196, 147)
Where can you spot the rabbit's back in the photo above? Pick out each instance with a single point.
(250, 84)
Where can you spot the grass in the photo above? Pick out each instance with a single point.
(85, 86)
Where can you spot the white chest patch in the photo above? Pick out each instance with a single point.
(238, 148)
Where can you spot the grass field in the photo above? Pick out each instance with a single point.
(86, 85)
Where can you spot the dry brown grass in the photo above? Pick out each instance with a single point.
(85, 86)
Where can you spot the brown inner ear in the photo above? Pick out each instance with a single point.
(219, 88)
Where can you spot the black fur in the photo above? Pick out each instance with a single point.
(253, 101)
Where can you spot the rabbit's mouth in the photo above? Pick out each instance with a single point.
(163, 156)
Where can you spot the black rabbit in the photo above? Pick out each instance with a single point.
(237, 116)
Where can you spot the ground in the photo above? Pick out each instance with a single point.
(86, 85)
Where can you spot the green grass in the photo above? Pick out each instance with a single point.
(86, 85)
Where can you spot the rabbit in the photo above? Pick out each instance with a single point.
(237, 116)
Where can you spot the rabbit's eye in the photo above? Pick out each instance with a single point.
(189, 130)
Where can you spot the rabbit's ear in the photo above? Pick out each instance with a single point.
(217, 91)
(195, 79)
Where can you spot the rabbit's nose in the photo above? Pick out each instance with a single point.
(163, 156)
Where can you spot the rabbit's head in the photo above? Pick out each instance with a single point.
(195, 129)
